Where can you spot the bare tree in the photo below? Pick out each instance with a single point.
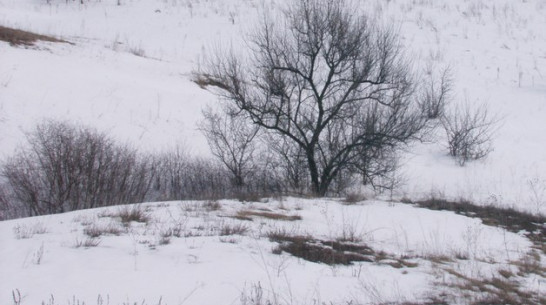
(376, 166)
(290, 163)
(469, 132)
(231, 140)
(328, 81)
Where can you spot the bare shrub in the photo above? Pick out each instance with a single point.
(182, 177)
(230, 138)
(469, 132)
(7, 211)
(436, 93)
(67, 167)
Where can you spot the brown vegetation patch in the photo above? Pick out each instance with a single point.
(332, 252)
(135, 213)
(495, 290)
(17, 37)
(248, 214)
(235, 229)
(533, 226)
(212, 205)
(95, 231)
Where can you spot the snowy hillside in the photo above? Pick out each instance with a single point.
(128, 71)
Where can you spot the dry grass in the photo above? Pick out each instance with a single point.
(204, 80)
(87, 243)
(509, 219)
(17, 37)
(248, 214)
(332, 252)
(133, 213)
(503, 288)
(28, 231)
(95, 231)
(530, 264)
(233, 229)
(353, 198)
(212, 205)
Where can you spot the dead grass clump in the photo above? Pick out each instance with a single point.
(353, 198)
(248, 197)
(494, 290)
(439, 258)
(212, 205)
(247, 215)
(204, 80)
(430, 301)
(165, 237)
(233, 229)
(506, 273)
(530, 264)
(283, 236)
(17, 37)
(332, 252)
(132, 213)
(327, 252)
(23, 231)
(94, 231)
(87, 243)
(314, 251)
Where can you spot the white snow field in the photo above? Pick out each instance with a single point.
(128, 72)
(218, 259)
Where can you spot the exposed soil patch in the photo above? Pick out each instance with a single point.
(17, 37)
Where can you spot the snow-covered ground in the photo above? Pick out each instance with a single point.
(129, 73)
(207, 264)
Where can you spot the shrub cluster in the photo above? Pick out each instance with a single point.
(66, 167)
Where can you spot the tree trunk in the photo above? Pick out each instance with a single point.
(313, 172)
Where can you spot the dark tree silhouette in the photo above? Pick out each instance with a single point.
(328, 81)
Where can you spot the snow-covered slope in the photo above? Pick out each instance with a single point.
(496, 49)
(197, 253)
(129, 73)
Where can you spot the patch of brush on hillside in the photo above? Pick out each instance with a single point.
(17, 37)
